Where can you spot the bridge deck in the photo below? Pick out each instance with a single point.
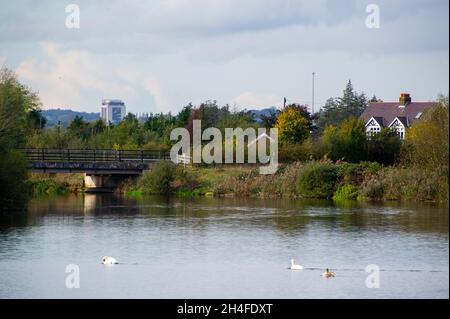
(92, 162)
(91, 155)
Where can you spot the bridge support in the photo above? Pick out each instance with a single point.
(103, 183)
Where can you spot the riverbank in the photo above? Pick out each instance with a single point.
(55, 184)
(316, 179)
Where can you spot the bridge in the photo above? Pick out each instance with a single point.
(103, 169)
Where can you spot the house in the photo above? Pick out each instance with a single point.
(396, 115)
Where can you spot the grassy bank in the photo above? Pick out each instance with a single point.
(316, 179)
(55, 184)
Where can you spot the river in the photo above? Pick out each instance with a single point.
(223, 248)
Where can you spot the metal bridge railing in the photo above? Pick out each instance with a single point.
(90, 155)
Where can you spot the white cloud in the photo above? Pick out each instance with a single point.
(164, 54)
(251, 100)
(66, 78)
(153, 87)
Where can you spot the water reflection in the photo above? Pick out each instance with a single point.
(281, 215)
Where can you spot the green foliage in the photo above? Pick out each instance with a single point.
(289, 153)
(35, 120)
(42, 187)
(159, 180)
(18, 113)
(317, 180)
(347, 142)
(13, 173)
(336, 110)
(427, 141)
(16, 101)
(384, 147)
(345, 192)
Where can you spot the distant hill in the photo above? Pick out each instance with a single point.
(65, 116)
(257, 113)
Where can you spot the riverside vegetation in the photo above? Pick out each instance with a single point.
(332, 158)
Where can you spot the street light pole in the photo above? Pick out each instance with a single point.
(312, 104)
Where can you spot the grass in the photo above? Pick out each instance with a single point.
(55, 184)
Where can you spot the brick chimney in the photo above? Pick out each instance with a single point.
(404, 99)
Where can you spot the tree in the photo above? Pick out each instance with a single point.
(427, 139)
(336, 110)
(292, 127)
(79, 128)
(184, 115)
(303, 110)
(16, 101)
(35, 120)
(269, 120)
(346, 142)
(384, 147)
(375, 99)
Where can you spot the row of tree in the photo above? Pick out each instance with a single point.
(335, 132)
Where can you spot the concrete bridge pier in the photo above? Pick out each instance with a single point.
(103, 183)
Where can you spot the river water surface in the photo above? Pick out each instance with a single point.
(223, 248)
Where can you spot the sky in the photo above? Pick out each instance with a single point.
(159, 55)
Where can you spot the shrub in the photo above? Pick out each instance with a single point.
(289, 153)
(46, 186)
(159, 180)
(317, 180)
(398, 183)
(373, 189)
(356, 173)
(347, 142)
(13, 173)
(185, 180)
(345, 192)
(384, 147)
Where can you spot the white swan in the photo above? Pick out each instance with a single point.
(294, 266)
(109, 260)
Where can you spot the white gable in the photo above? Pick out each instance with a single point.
(373, 122)
(396, 123)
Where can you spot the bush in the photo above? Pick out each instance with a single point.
(317, 180)
(347, 142)
(13, 173)
(346, 192)
(373, 189)
(384, 147)
(398, 183)
(185, 180)
(159, 180)
(289, 153)
(41, 187)
(355, 174)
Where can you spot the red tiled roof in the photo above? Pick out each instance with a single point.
(390, 110)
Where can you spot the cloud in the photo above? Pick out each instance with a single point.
(252, 100)
(66, 78)
(153, 87)
(160, 55)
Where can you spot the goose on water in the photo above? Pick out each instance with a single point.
(328, 274)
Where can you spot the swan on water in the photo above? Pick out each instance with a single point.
(328, 274)
(294, 266)
(106, 260)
